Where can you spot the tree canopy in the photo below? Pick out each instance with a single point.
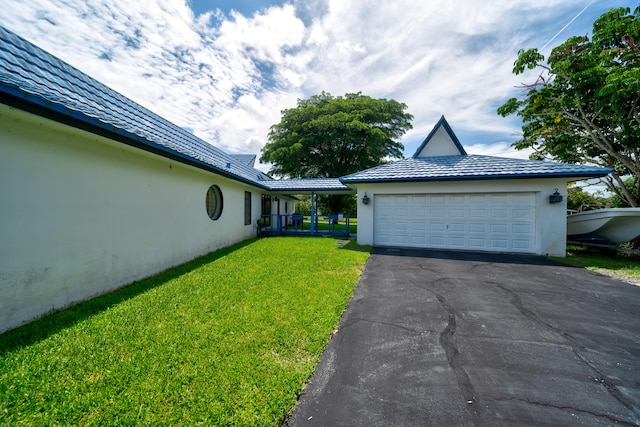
(583, 107)
(329, 137)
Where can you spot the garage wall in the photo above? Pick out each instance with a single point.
(82, 215)
(550, 222)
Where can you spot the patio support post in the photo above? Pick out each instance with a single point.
(312, 226)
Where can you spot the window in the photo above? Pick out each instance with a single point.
(214, 202)
(266, 210)
(247, 208)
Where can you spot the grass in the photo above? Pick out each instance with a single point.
(623, 267)
(228, 339)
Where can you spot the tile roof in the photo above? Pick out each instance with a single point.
(307, 185)
(247, 159)
(446, 168)
(35, 80)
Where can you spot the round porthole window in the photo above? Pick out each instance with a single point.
(214, 202)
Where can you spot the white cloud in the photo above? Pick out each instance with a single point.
(228, 77)
(498, 149)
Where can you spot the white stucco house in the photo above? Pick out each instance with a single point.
(97, 191)
(443, 198)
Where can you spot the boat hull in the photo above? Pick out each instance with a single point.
(614, 225)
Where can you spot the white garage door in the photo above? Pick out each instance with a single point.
(501, 222)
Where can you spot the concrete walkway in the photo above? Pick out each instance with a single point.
(450, 338)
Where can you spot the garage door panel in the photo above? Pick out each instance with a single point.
(384, 213)
(385, 224)
(498, 199)
(400, 212)
(499, 244)
(477, 199)
(401, 227)
(522, 229)
(383, 201)
(477, 213)
(491, 221)
(417, 227)
(400, 240)
(436, 212)
(523, 199)
(477, 227)
(437, 241)
(419, 200)
(437, 227)
(475, 243)
(457, 242)
(401, 199)
(522, 213)
(499, 213)
(457, 213)
(522, 244)
(457, 227)
(416, 242)
(457, 200)
(499, 228)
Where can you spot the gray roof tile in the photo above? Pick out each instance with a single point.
(247, 159)
(311, 184)
(445, 168)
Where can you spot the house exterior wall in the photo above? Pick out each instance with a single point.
(82, 215)
(551, 222)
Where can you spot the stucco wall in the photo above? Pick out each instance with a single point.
(440, 144)
(551, 223)
(82, 215)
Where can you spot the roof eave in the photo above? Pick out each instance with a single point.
(309, 190)
(36, 105)
(574, 176)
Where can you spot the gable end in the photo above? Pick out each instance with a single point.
(441, 141)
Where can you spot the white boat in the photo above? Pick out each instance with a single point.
(616, 225)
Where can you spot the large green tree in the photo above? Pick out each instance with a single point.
(583, 107)
(329, 137)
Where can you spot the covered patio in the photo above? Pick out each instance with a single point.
(293, 223)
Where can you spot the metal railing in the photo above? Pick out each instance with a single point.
(294, 224)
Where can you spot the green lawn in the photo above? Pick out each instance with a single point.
(228, 339)
(623, 267)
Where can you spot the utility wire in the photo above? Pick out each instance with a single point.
(569, 23)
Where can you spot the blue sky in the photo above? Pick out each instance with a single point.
(226, 69)
(245, 7)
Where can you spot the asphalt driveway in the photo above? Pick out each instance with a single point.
(450, 338)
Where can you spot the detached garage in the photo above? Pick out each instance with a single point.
(443, 198)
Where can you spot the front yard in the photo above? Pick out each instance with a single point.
(624, 267)
(227, 339)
